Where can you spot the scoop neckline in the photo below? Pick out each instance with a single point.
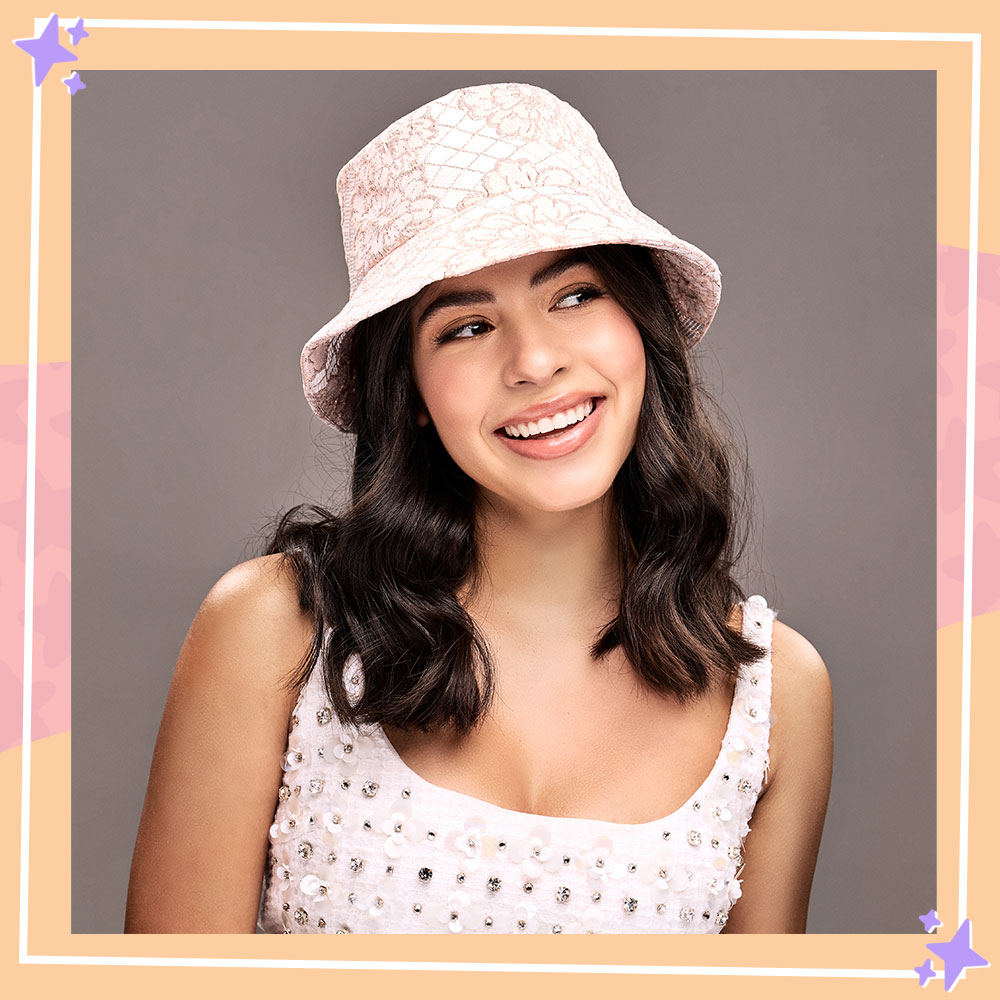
(483, 805)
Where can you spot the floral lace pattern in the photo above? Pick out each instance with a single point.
(362, 844)
(482, 175)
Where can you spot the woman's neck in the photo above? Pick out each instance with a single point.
(547, 570)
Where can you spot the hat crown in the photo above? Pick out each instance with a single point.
(455, 152)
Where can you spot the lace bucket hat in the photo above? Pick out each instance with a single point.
(480, 176)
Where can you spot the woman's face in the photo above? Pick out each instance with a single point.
(533, 377)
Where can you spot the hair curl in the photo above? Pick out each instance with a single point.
(381, 578)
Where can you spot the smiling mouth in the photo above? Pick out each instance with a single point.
(548, 427)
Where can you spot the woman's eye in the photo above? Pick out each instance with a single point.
(579, 296)
(464, 332)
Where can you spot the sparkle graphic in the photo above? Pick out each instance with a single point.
(926, 972)
(45, 50)
(930, 920)
(958, 955)
(74, 83)
(77, 32)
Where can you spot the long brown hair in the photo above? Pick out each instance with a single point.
(381, 577)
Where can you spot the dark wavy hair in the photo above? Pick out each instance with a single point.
(381, 577)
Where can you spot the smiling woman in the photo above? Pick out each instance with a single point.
(513, 686)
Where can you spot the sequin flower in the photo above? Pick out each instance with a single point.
(600, 864)
(721, 812)
(376, 903)
(316, 888)
(400, 829)
(592, 920)
(536, 852)
(294, 759)
(473, 842)
(656, 873)
(451, 912)
(735, 890)
(333, 827)
(525, 921)
(351, 747)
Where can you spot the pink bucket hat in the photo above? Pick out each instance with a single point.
(480, 176)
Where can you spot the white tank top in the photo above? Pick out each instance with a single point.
(362, 844)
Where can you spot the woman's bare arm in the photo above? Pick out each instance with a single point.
(781, 849)
(202, 844)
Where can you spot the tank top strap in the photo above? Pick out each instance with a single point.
(748, 742)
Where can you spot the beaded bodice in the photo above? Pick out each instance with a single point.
(361, 843)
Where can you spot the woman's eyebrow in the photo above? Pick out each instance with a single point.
(553, 270)
(474, 297)
(454, 300)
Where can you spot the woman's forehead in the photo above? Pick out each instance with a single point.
(531, 270)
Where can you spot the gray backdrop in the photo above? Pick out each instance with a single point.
(206, 250)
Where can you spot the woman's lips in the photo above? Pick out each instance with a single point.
(560, 443)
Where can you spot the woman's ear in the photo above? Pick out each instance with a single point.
(422, 418)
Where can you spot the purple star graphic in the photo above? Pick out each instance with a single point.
(77, 32)
(958, 955)
(45, 49)
(74, 83)
(929, 920)
(926, 972)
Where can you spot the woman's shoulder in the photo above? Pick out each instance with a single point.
(801, 702)
(251, 621)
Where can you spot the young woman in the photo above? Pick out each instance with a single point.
(513, 686)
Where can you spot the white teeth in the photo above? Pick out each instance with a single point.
(546, 424)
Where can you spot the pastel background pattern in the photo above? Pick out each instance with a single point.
(51, 641)
(51, 674)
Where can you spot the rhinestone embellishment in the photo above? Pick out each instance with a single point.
(557, 928)
(316, 785)
(405, 793)
(527, 887)
(630, 904)
(305, 850)
(424, 874)
(562, 894)
(488, 921)
(493, 883)
(661, 907)
(694, 838)
(300, 916)
(744, 785)
(357, 864)
(596, 897)
(284, 793)
(369, 788)
(323, 716)
(687, 913)
(460, 877)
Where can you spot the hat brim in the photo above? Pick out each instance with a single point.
(500, 228)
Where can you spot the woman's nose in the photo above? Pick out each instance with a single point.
(535, 352)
